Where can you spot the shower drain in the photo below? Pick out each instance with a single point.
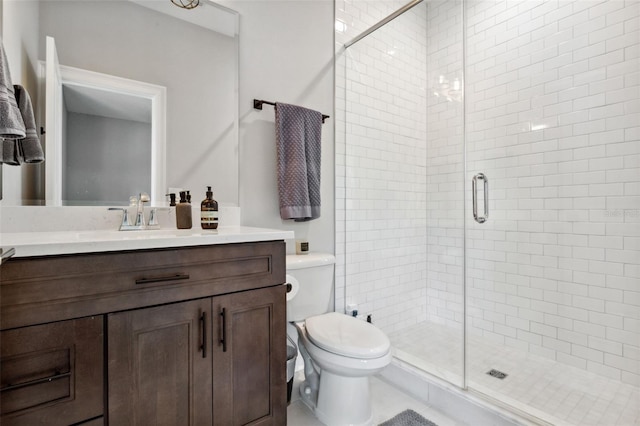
(497, 374)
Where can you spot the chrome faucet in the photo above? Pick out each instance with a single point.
(140, 222)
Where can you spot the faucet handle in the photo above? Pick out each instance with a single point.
(139, 219)
(153, 217)
(125, 216)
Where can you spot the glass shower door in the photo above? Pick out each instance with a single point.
(552, 261)
(402, 168)
(444, 354)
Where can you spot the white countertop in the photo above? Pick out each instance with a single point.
(28, 244)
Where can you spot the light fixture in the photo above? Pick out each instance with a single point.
(186, 4)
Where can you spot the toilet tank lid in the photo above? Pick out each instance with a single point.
(300, 261)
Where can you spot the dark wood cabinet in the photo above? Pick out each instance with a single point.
(159, 370)
(250, 377)
(52, 374)
(180, 364)
(181, 336)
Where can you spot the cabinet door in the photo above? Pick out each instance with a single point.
(52, 373)
(159, 365)
(249, 358)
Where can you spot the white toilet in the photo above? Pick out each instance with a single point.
(340, 352)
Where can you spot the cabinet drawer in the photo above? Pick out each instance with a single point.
(53, 373)
(44, 289)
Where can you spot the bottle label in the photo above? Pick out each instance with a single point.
(209, 216)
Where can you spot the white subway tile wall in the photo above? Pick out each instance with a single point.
(552, 117)
(445, 167)
(553, 101)
(352, 18)
(382, 165)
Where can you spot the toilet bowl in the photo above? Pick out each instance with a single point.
(345, 345)
(340, 352)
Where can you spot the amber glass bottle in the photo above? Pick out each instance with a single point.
(209, 211)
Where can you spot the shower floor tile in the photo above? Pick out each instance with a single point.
(557, 393)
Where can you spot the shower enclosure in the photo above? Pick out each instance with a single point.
(488, 196)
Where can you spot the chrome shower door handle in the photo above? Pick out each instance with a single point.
(474, 190)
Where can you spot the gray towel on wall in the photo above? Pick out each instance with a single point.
(11, 123)
(298, 134)
(11, 154)
(31, 149)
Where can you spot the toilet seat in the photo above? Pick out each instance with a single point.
(347, 336)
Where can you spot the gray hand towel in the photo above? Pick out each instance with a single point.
(30, 146)
(11, 154)
(298, 134)
(11, 123)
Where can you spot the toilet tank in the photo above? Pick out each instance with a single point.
(312, 276)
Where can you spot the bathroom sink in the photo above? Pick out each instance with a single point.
(107, 235)
(70, 242)
(161, 233)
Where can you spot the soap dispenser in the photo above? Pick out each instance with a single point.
(183, 212)
(209, 211)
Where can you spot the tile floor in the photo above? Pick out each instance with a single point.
(557, 393)
(387, 402)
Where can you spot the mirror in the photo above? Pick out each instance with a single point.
(191, 53)
(118, 116)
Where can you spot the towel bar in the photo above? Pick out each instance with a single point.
(257, 104)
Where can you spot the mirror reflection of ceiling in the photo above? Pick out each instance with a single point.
(207, 15)
(92, 101)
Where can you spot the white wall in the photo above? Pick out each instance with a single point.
(286, 54)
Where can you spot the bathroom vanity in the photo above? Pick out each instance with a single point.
(182, 328)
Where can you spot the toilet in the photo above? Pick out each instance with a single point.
(340, 352)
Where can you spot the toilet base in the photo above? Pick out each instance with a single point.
(340, 401)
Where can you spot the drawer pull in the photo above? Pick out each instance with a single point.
(174, 277)
(56, 376)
